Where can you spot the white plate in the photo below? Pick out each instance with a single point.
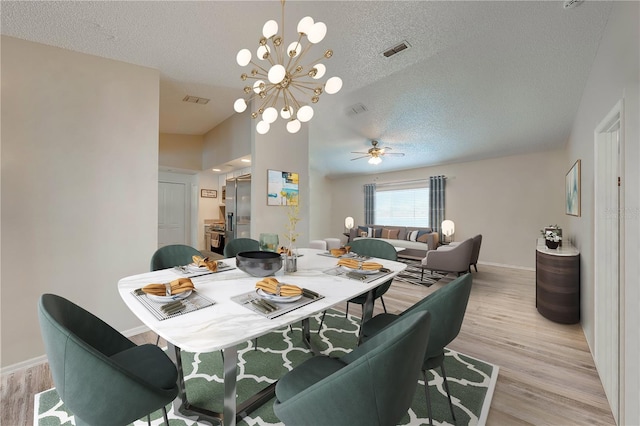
(193, 268)
(360, 271)
(274, 298)
(164, 299)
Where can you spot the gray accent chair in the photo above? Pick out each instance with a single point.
(100, 375)
(173, 255)
(455, 259)
(475, 253)
(372, 385)
(238, 245)
(447, 307)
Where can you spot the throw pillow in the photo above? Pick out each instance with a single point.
(412, 235)
(424, 238)
(368, 232)
(377, 232)
(390, 234)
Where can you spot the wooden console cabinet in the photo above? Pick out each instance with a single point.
(558, 283)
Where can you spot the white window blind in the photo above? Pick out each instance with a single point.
(402, 205)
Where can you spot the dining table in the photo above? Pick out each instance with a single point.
(224, 313)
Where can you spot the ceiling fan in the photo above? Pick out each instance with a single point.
(376, 153)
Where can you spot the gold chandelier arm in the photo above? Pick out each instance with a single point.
(289, 67)
(304, 51)
(260, 68)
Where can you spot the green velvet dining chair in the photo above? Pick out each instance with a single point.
(238, 245)
(372, 385)
(173, 255)
(102, 377)
(447, 307)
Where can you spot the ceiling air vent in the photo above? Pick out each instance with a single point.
(570, 4)
(356, 109)
(196, 100)
(396, 49)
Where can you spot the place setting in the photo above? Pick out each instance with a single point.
(358, 269)
(202, 266)
(272, 298)
(166, 300)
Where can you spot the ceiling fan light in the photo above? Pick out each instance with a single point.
(262, 127)
(333, 85)
(293, 126)
(305, 113)
(375, 160)
(277, 73)
(270, 28)
(243, 57)
(240, 105)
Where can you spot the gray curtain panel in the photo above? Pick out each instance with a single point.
(436, 202)
(369, 203)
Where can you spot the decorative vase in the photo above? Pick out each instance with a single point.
(552, 244)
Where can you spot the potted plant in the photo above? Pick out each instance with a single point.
(552, 236)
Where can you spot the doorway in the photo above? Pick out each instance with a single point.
(175, 208)
(608, 247)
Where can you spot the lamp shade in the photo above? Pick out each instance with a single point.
(448, 228)
(348, 222)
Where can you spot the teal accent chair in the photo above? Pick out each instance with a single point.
(238, 245)
(173, 255)
(100, 375)
(447, 307)
(372, 385)
(374, 248)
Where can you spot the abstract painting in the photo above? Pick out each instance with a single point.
(572, 190)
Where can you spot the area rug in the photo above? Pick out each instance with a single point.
(471, 381)
(413, 274)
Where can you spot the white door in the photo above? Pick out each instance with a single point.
(171, 213)
(607, 255)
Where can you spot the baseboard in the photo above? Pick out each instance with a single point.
(503, 265)
(34, 362)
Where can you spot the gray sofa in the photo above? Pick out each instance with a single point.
(415, 241)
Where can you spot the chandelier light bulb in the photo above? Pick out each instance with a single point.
(305, 24)
(243, 57)
(333, 85)
(258, 85)
(293, 126)
(270, 28)
(320, 70)
(286, 113)
(305, 113)
(240, 105)
(263, 52)
(277, 73)
(294, 47)
(270, 115)
(317, 32)
(262, 127)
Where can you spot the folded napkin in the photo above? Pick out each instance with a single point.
(199, 261)
(177, 286)
(273, 286)
(356, 264)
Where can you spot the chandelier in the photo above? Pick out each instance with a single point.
(282, 78)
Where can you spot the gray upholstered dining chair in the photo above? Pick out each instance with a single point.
(372, 385)
(100, 375)
(475, 253)
(447, 307)
(455, 259)
(173, 255)
(238, 245)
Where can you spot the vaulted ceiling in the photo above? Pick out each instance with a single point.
(479, 80)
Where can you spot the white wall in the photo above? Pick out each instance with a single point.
(228, 141)
(614, 76)
(79, 185)
(180, 151)
(507, 200)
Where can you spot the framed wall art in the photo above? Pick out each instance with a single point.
(572, 190)
(208, 193)
(282, 188)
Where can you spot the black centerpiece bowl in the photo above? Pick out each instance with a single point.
(259, 263)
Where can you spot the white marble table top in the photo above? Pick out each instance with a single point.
(227, 323)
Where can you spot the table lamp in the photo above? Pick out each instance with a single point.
(448, 228)
(348, 223)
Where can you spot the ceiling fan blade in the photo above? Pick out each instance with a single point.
(359, 152)
(401, 154)
(362, 156)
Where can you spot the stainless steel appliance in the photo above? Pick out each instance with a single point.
(238, 208)
(214, 237)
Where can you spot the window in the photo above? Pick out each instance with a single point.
(402, 205)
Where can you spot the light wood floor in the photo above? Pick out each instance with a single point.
(547, 375)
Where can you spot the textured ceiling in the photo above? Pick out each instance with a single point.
(481, 79)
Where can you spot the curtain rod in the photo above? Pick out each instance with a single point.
(403, 182)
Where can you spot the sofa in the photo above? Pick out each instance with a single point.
(415, 241)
